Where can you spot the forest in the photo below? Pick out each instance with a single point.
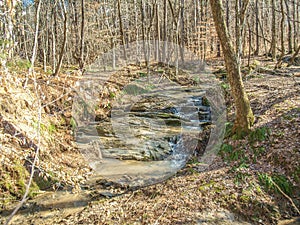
(150, 112)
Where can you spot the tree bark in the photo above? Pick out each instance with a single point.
(256, 52)
(294, 55)
(34, 50)
(165, 37)
(278, 64)
(273, 40)
(81, 61)
(157, 55)
(182, 34)
(62, 51)
(122, 30)
(244, 116)
(290, 39)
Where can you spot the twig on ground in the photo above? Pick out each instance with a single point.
(156, 222)
(285, 195)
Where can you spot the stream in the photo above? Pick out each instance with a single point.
(149, 136)
(145, 141)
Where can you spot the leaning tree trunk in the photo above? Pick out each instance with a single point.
(244, 115)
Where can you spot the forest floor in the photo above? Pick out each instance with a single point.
(254, 180)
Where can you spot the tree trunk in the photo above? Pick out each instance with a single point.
(295, 24)
(294, 55)
(164, 53)
(244, 116)
(122, 30)
(256, 52)
(54, 35)
(273, 40)
(81, 60)
(182, 34)
(249, 45)
(157, 56)
(62, 51)
(37, 19)
(290, 39)
(136, 31)
(278, 64)
(9, 27)
(143, 32)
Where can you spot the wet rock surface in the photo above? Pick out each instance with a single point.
(148, 137)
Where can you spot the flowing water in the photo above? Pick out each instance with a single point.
(146, 140)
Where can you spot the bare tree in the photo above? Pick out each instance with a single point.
(37, 22)
(63, 47)
(256, 52)
(35, 45)
(93, 24)
(278, 64)
(289, 39)
(122, 29)
(273, 28)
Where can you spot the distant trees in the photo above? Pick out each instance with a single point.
(76, 32)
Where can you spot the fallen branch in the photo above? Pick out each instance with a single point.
(285, 195)
(156, 222)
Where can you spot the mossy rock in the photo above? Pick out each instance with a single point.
(44, 182)
(14, 180)
(205, 102)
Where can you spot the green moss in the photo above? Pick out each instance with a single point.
(296, 174)
(205, 102)
(19, 64)
(196, 79)
(228, 129)
(73, 123)
(230, 154)
(193, 160)
(240, 176)
(49, 71)
(132, 89)
(22, 176)
(15, 180)
(265, 180)
(45, 182)
(112, 95)
(285, 185)
(225, 86)
(160, 70)
(142, 74)
(257, 151)
(52, 128)
(259, 134)
(245, 198)
(207, 186)
(280, 180)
